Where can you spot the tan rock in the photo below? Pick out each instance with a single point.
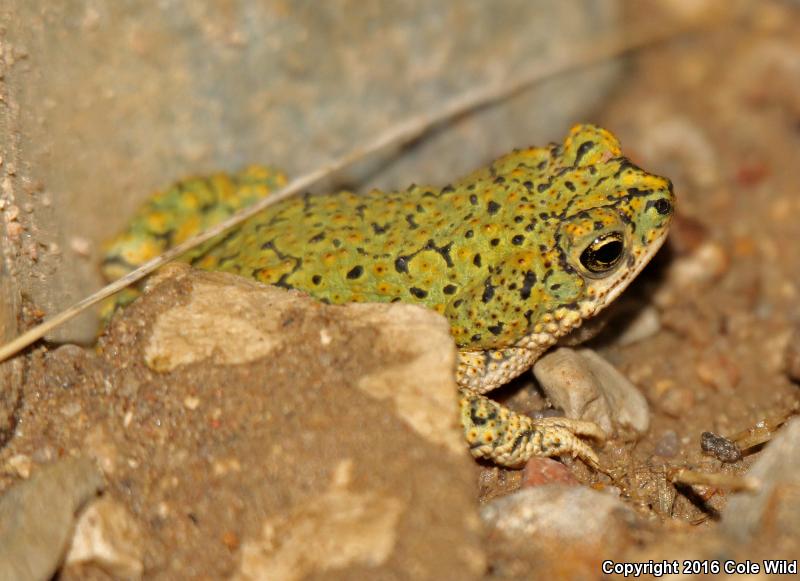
(109, 538)
(315, 438)
(587, 387)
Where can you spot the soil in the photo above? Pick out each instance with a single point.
(718, 111)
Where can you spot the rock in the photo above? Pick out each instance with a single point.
(106, 537)
(668, 445)
(344, 527)
(66, 364)
(37, 517)
(718, 371)
(704, 266)
(587, 387)
(540, 471)
(792, 357)
(20, 464)
(672, 399)
(568, 382)
(233, 320)
(773, 511)
(557, 531)
(720, 447)
(628, 406)
(314, 440)
(558, 513)
(645, 323)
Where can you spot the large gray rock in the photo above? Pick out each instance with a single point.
(107, 102)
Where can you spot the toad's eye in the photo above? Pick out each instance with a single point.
(604, 253)
(663, 206)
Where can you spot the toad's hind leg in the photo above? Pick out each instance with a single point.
(183, 210)
(174, 215)
(496, 433)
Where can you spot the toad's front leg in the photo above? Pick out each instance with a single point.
(501, 435)
(507, 438)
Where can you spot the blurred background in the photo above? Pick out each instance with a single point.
(103, 103)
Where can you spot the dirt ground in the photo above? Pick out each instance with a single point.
(717, 110)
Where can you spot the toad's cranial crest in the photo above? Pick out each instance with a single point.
(515, 256)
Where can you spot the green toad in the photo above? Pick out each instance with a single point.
(515, 256)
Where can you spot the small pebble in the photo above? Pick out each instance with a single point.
(706, 265)
(191, 402)
(720, 447)
(676, 401)
(107, 537)
(719, 372)
(231, 540)
(686, 235)
(644, 324)
(568, 382)
(668, 444)
(539, 471)
(80, 246)
(792, 357)
(14, 230)
(71, 409)
(325, 338)
(20, 464)
(751, 173)
(629, 407)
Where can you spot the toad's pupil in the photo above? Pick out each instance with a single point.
(608, 252)
(602, 254)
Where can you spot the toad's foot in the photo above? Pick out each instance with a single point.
(510, 439)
